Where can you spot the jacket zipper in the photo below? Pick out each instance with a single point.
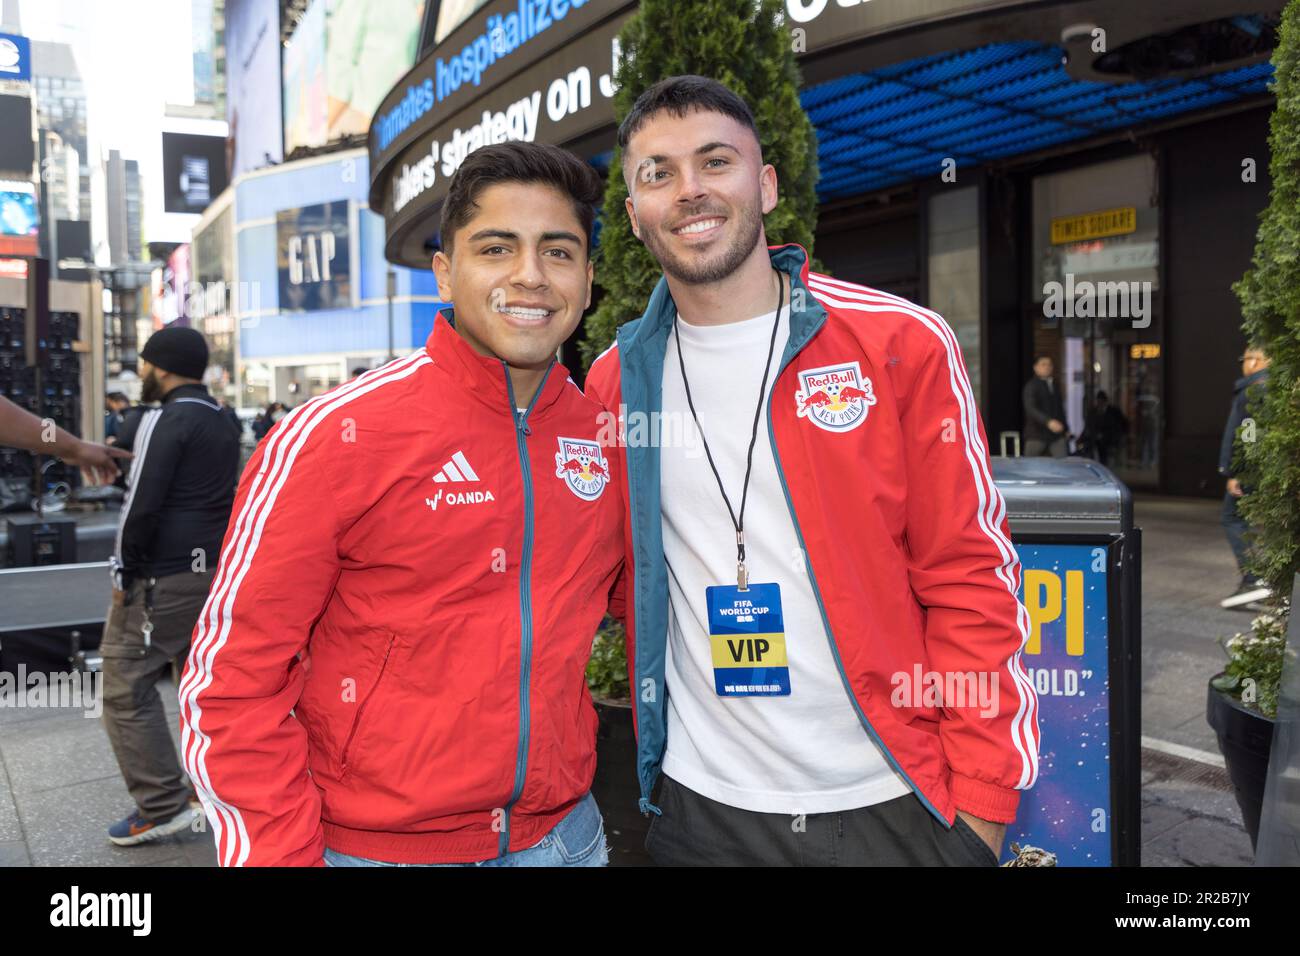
(361, 711)
(522, 431)
(821, 606)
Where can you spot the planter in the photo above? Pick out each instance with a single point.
(1245, 738)
(615, 787)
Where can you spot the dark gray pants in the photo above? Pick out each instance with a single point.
(697, 831)
(1039, 448)
(134, 718)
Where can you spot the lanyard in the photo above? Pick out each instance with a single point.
(742, 575)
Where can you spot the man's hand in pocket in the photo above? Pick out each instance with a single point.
(991, 833)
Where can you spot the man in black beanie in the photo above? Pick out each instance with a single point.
(179, 493)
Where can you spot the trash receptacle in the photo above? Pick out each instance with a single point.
(1071, 521)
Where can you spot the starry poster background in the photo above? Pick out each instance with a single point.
(1071, 800)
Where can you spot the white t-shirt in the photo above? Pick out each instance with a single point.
(802, 753)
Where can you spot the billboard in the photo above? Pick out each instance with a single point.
(452, 13)
(304, 81)
(72, 240)
(18, 215)
(194, 171)
(15, 57)
(17, 147)
(314, 257)
(253, 85)
(170, 286)
(341, 61)
(1066, 591)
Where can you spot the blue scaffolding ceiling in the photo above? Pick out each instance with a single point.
(901, 122)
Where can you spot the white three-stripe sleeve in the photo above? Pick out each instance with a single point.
(241, 745)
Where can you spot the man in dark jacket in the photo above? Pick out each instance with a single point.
(1105, 429)
(180, 491)
(1044, 432)
(1247, 393)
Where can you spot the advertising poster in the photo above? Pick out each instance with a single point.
(194, 171)
(1068, 811)
(342, 59)
(304, 81)
(368, 46)
(19, 219)
(313, 257)
(15, 57)
(252, 79)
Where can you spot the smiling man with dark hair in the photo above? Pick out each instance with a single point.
(391, 665)
(841, 543)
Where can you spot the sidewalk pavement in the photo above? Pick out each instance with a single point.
(60, 787)
(1189, 814)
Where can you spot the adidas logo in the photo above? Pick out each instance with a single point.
(458, 469)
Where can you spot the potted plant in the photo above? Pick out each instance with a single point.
(1242, 708)
(616, 788)
(1242, 701)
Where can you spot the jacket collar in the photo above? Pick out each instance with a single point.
(482, 376)
(1247, 380)
(188, 390)
(806, 313)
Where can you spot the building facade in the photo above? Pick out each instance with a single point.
(1086, 185)
(291, 284)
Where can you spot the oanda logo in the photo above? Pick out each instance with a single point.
(458, 498)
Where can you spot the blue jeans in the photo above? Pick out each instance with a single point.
(577, 840)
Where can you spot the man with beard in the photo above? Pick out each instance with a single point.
(179, 493)
(823, 627)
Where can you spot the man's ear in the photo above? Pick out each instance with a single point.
(442, 272)
(631, 216)
(768, 187)
(591, 274)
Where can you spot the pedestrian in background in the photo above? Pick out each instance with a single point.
(1247, 393)
(230, 415)
(1105, 428)
(115, 405)
(266, 421)
(179, 493)
(1045, 432)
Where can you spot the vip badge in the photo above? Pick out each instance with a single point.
(582, 467)
(835, 397)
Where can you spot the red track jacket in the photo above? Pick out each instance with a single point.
(879, 444)
(391, 662)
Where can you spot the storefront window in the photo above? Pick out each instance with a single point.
(257, 385)
(1096, 255)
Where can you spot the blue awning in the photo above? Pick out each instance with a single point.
(900, 123)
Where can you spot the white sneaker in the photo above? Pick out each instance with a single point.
(1247, 593)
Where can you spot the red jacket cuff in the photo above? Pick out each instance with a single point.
(985, 800)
